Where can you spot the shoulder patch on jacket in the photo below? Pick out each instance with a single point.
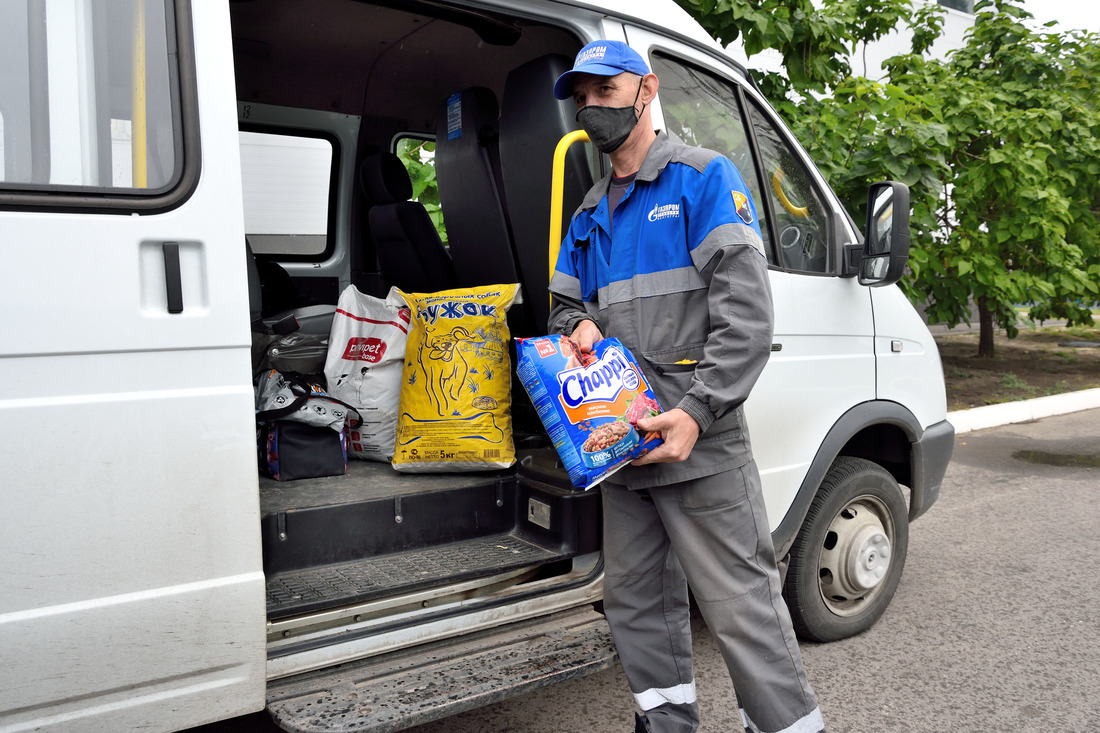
(741, 204)
(697, 158)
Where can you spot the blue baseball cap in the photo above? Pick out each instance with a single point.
(602, 58)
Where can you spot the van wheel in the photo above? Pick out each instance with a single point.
(847, 560)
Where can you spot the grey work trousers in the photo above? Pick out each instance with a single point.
(713, 534)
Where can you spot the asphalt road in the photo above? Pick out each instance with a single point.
(996, 625)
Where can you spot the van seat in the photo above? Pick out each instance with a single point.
(411, 255)
(532, 122)
(467, 167)
(273, 299)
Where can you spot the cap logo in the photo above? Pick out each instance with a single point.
(603, 58)
(596, 53)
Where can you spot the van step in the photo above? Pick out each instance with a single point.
(425, 684)
(394, 574)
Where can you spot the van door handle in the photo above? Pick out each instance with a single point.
(173, 281)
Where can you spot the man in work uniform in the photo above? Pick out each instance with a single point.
(665, 254)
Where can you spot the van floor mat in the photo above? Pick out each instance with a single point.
(415, 686)
(389, 575)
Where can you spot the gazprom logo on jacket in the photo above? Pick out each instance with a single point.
(666, 211)
(600, 382)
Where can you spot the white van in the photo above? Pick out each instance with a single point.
(151, 578)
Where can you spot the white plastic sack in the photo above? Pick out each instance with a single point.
(363, 368)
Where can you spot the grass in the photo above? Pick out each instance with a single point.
(1034, 364)
(1011, 381)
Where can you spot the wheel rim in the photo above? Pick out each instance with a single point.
(856, 555)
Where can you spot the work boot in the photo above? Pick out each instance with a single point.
(664, 722)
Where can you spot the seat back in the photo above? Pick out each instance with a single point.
(532, 122)
(410, 253)
(255, 288)
(467, 167)
(276, 304)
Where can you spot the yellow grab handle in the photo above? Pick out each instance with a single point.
(801, 212)
(557, 193)
(139, 132)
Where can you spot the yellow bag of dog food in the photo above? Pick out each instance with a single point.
(456, 389)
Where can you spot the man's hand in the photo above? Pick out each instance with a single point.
(679, 432)
(586, 334)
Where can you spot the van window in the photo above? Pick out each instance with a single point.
(701, 109)
(802, 219)
(88, 98)
(418, 155)
(286, 181)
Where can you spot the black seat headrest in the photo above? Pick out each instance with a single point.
(384, 179)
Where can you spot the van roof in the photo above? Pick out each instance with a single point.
(662, 15)
(405, 56)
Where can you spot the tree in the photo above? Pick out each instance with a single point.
(816, 38)
(1018, 220)
(418, 156)
(998, 144)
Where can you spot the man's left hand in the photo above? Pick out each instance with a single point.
(678, 430)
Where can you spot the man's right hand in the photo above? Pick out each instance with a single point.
(586, 334)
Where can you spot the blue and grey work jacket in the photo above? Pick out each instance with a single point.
(682, 281)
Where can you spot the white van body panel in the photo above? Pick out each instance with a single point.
(909, 368)
(134, 591)
(824, 365)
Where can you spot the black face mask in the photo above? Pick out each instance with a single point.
(609, 127)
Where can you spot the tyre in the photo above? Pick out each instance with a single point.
(848, 557)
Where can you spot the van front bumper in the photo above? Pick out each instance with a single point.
(931, 454)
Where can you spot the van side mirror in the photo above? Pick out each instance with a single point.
(886, 245)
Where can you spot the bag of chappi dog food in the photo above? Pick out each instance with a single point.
(456, 389)
(590, 404)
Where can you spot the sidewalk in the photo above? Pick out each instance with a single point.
(1006, 413)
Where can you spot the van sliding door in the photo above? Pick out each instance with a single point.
(133, 595)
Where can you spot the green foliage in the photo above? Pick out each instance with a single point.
(815, 41)
(999, 144)
(1021, 215)
(419, 159)
(1011, 381)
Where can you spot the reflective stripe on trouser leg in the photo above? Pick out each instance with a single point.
(646, 603)
(812, 722)
(719, 529)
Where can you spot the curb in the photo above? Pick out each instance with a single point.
(1007, 413)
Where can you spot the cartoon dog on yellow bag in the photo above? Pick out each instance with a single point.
(456, 381)
(445, 367)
